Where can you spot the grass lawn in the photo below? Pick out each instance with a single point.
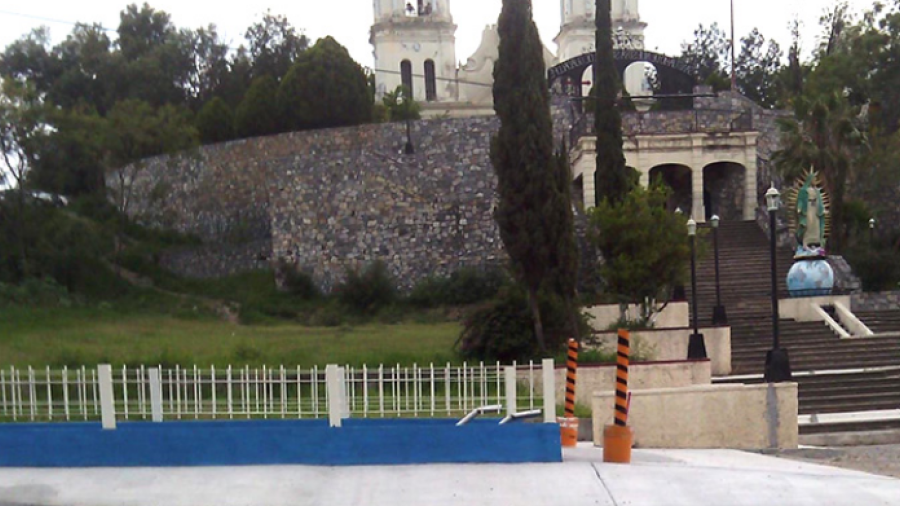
(87, 336)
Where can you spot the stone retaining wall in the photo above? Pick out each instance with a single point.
(218, 260)
(876, 301)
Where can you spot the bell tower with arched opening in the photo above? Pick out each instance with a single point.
(414, 45)
(576, 33)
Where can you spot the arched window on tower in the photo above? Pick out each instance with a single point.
(406, 76)
(430, 81)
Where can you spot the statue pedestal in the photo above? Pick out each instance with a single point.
(810, 277)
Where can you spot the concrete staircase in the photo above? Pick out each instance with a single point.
(744, 269)
(872, 379)
(880, 322)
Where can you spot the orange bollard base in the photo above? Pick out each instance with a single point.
(617, 441)
(568, 431)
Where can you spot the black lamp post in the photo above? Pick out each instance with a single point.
(778, 367)
(409, 150)
(719, 317)
(696, 345)
(407, 100)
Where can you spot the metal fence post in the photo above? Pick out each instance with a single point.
(155, 380)
(107, 407)
(510, 379)
(549, 387)
(334, 388)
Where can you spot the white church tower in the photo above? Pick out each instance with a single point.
(414, 45)
(576, 34)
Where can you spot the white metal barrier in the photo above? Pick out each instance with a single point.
(156, 393)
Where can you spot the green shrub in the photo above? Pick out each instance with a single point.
(43, 292)
(501, 330)
(878, 268)
(465, 286)
(297, 282)
(368, 291)
(329, 314)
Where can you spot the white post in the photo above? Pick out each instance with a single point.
(344, 398)
(549, 391)
(334, 388)
(510, 380)
(155, 380)
(107, 409)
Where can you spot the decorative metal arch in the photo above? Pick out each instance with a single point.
(673, 74)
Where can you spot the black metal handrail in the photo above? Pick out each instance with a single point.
(670, 122)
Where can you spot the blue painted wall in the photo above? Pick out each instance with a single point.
(312, 442)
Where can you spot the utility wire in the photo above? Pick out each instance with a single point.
(51, 20)
(452, 79)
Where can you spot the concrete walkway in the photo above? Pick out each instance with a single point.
(655, 477)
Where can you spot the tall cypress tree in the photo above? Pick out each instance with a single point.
(522, 153)
(611, 179)
(564, 247)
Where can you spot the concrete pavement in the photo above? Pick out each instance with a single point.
(655, 477)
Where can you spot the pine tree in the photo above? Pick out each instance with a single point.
(611, 179)
(532, 208)
(215, 122)
(258, 113)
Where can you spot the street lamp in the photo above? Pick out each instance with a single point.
(696, 346)
(719, 316)
(406, 102)
(871, 230)
(778, 367)
(409, 150)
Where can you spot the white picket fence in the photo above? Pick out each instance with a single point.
(139, 393)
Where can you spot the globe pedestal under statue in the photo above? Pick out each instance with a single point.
(810, 276)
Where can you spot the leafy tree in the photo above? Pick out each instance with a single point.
(706, 56)
(142, 30)
(87, 74)
(135, 132)
(757, 68)
(611, 180)
(522, 156)
(644, 247)
(235, 83)
(791, 77)
(258, 114)
(400, 105)
(21, 128)
(69, 157)
(325, 89)
(274, 46)
(209, 63)
(822, 134)
(215, 122)
(30, 59)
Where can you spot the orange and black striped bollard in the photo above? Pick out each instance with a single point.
(571, 368)
(618, 437)
(622, 355)
(569, 424)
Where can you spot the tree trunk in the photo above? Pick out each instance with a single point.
(536, 316)
(572, 309)
(20, 231)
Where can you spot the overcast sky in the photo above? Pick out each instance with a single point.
(670, 22)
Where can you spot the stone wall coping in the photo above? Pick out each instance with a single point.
(666, 329)
(641, 363)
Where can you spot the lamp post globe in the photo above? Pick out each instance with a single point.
(778, 366)
(696, 345)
